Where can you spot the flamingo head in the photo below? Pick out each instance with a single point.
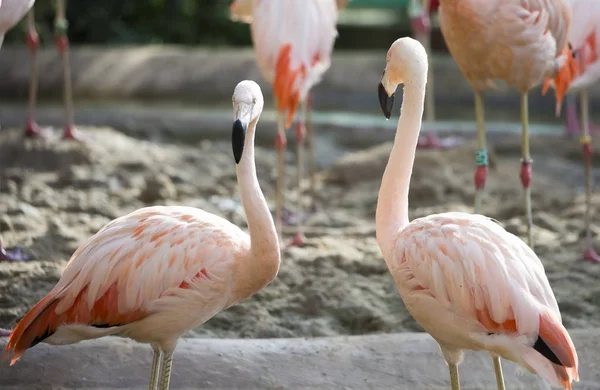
(406, 63)
(247, 106)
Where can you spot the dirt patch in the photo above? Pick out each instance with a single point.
(55, 194)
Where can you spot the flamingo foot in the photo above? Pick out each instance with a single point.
(14, 254)
(432, 141)
(32, 130)
(71, 134)
(591, 255)
(298, 240)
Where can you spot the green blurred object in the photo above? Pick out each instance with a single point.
(387, 4)
(365, 24)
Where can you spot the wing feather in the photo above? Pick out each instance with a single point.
(148, 254)
(473, 266)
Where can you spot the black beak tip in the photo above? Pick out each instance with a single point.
(238, 136)
(386, 102)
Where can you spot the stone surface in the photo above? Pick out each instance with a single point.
(399, 361)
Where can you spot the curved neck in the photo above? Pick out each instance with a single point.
(392, 204)
(264, 242)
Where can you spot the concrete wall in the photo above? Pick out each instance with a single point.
(209, 75)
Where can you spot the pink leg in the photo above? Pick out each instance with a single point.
(62, 44)
(590, 254)
(33, 41)
(573, 126)
(300, 135)
(588, 154)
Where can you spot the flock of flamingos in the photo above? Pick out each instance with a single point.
(160, 271)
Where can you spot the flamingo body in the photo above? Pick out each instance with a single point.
(473, 285)
(152, 274)
(11, 13)
(520, 43)
(293, 41)
(584, 37)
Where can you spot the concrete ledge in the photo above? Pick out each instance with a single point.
(399, 361)
(209, 76)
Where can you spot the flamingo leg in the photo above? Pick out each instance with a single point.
(526, 161)
(454, 380)
(300, 135)
(586, 143)
(481, 155)
(62, 43)
(572, 122)
(33, 41)
(165, 378)
(312, 160)
(156, 365)
(498, 371)
(280, 143)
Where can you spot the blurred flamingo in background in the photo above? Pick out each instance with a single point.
(468, 282)
(583, 38)
(62, 43)
(11, 13)
(293, 42)
(420, 13)
(520, 43)
(160, 271)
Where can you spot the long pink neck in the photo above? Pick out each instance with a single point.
(263, 236)
(392, 205)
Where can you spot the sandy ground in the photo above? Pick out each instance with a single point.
(55, 194)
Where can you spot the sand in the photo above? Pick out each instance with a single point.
(54, 195)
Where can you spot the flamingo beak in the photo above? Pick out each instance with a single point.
(386, 100)
(238, 137)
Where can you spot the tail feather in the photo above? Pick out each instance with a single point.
(556, 337)
(32, 328)
(553, 355)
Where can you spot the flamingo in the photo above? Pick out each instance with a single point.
(160, 271)
(519, 42)
(62, 44)
(293, 42)
(419, 12)
(11, 12)
(468, 282)
(585, 45)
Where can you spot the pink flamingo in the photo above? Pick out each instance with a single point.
(519, 42)
(158, 272)
(468, 282)
(293, 42)
(62, 44)
(583, 35)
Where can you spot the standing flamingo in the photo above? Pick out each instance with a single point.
(420, 12)
(293, 42)
(583, 35)
(467, 281)
(158, 272)
(519, 42)
(11, 12)
(62, 43)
